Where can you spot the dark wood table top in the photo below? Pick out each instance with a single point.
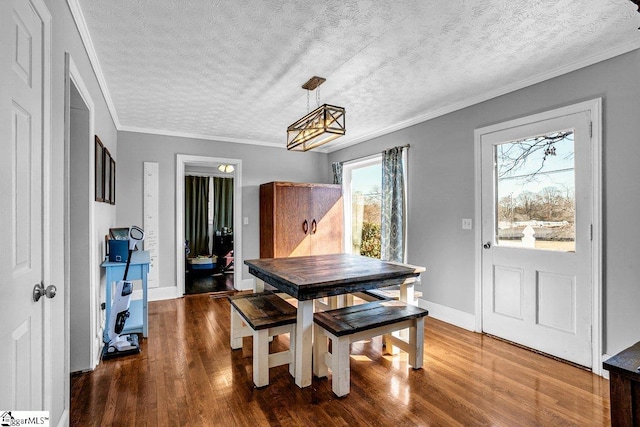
(318, 276)
(625, 363)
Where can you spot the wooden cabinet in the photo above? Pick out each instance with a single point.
(299, 219)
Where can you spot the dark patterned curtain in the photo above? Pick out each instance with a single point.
(222, 203)
(337, 172)
(393, 205)
(196, 213)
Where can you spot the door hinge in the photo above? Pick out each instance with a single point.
(590, 129)
(591, 232)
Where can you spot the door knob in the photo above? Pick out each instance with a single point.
(487, 245)
(39, 290)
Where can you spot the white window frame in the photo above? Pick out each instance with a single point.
(347, 170)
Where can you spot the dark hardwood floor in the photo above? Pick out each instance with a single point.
(212, 282)
(186, 374)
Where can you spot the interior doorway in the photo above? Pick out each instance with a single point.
(84, 317)
(209, 229)
(223, 250)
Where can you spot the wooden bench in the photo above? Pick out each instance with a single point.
(381, 294)
(263, 315)
(350, 324)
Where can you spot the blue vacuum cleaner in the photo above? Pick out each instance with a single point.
(119, 344)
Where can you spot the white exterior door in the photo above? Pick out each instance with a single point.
(536, 195)
(22, 353)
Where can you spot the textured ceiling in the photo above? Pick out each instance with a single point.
(232, 70)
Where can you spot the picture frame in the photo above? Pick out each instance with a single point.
(99, 170)
(107, 175)
(112, 182)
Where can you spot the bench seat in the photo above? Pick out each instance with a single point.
(350, 324)
(263, 315)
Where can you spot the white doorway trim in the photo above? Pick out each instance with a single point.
(594, 108)
(74, 78)
(182, 160)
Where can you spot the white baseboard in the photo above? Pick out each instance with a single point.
(246, 284)
(157, 294)
(64, 418)
(450, 315)
(604, 372)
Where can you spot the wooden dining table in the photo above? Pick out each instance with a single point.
(312, 277)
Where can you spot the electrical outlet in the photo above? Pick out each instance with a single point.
(466, 224)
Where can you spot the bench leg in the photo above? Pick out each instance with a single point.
(236, 328)
(292, 350)
(348, 300)
(340, 369)
(320, 348)
(261, 358)
(416, 343)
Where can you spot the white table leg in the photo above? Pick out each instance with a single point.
(304, 343)
(258, 285)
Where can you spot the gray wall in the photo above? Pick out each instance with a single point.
(259, 165)
(441, 187)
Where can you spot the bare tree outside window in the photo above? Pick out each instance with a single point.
(536, 192)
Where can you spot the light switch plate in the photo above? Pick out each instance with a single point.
(245, 220)
(466, 223)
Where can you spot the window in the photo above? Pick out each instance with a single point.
(362, 181)
(535, 192)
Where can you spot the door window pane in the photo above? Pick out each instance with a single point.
(535, 179)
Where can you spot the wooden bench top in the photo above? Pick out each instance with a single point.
(388, 293)
(264, 310)
(362, 317)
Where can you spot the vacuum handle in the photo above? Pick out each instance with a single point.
(126, 268)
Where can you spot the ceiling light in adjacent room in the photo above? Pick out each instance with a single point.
(226, 168)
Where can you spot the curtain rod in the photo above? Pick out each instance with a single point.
(372, 155)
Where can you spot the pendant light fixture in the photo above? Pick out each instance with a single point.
(318, 127)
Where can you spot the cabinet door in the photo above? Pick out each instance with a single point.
(292, 204)
(326, 220)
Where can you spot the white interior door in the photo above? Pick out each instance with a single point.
(536, 195)
(21, 228)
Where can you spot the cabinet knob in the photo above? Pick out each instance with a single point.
(314, 226)
(305, 226)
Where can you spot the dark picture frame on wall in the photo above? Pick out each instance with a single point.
(112, 182)
(107, 176)
(99, 170)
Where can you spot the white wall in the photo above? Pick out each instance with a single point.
(259, 165)
(441, 187)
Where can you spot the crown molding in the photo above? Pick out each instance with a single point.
(200, 136)
(81, 25)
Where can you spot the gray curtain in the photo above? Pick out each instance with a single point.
(222, 203)
(393, 203)
(196, 213)
(337, 172)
